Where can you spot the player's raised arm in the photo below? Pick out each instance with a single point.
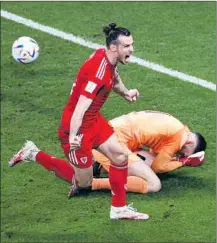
(120, 88)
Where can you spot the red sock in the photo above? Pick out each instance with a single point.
(118, 181)
(60, 167)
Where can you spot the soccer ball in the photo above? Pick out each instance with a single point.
(25, 50)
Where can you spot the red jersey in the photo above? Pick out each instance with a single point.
(94, 80)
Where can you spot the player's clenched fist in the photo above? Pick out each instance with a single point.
(75, 141)
(132, 95)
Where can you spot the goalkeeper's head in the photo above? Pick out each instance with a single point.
(195, 142)
(201, 143)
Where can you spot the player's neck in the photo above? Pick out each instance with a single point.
(111, 57)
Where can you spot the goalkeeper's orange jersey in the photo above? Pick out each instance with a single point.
(162, 133)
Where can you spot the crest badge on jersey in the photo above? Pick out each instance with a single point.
(83, 159)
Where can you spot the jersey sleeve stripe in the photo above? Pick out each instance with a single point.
(76, 161)
(100, 67)
(72, 157)
(103, 71)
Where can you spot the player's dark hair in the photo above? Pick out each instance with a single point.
(201, 143)
(112, 33)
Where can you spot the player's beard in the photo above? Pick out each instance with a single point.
(122, 62)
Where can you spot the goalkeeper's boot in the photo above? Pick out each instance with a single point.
(127, 212)
(26, 153)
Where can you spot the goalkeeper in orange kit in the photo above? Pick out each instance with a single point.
(170, 145)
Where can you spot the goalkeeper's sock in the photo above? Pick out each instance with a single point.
(118, 181)
(100, 184)
(134, 184)
(61, 168)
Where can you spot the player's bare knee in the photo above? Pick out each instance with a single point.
(85, 183)
(120, 159)
(84, 176)
(155, 186)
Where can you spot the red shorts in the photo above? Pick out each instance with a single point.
(97, 134)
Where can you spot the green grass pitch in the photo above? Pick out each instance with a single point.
(178, 35)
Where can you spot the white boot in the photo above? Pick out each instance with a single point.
(127, 212)
(26, 153)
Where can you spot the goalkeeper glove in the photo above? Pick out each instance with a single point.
(193, 160)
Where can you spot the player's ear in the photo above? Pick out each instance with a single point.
(113, 47)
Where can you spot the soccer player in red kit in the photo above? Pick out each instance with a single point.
(83, 127)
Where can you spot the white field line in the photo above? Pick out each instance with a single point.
(82, 42)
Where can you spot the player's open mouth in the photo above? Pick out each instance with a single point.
(127, 58)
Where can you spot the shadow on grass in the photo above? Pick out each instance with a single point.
(176, 183)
